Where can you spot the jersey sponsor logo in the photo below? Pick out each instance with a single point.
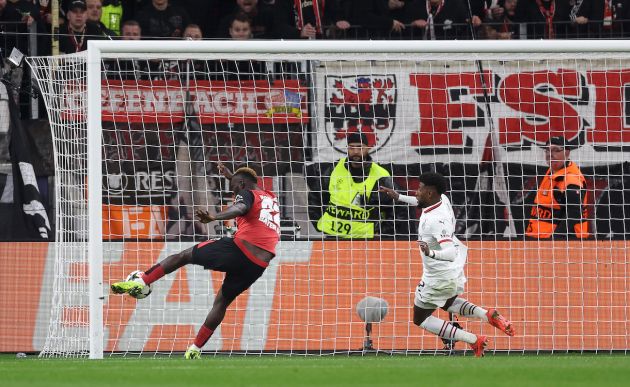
(360, 103)
(270, 213)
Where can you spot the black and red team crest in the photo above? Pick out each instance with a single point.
(360, 103)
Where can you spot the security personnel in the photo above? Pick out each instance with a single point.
(560, 206)
(344, 200)
(112, 15)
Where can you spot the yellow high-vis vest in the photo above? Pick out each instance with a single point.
(111, 17)
(345, 217)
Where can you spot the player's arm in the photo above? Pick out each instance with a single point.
(398, 197)
(242, 203)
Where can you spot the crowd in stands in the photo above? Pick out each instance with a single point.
(82, 20)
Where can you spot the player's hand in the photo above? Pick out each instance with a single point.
(225, 171)
(424, 247)
(390, 192)
(204, 216)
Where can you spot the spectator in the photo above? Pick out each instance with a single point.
(312, 16)
(441, 19)
(128, 69)
(500, 21)
(241, 28)
(9, 19)
(373, 15)
(559, 209)
(111, 15)
(75, 34)
(344, 198)
(131, 30)
(611, 18)
(94, 13)
(265, 23)
(548, 19)
(580, 14)
(9, 15)
(207, 13)
(241, 70)
(161, 20)
(193, 32)
(338, 14)
(30, 13)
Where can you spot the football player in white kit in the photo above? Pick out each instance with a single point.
(443, 260)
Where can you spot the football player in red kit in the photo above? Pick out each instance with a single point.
(243, 258)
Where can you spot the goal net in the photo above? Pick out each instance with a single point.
(139, 128)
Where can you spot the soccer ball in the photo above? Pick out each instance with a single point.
(372, 309)
(134, 276)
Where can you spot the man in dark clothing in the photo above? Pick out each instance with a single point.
(266, 23)
(344, 199)
(75, 34)
(442, 19)
(161, 20)
(95, 11)
(10, 16)
(546, 19)
(372, 15)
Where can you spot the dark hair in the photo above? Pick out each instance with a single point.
(241, 17)
(435, 180)
(192, 25)
(247, 174)
(130, 23)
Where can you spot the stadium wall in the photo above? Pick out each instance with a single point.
(561, 296)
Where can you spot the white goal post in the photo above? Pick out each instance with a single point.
(429, 105)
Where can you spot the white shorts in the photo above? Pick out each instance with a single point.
(435, 294)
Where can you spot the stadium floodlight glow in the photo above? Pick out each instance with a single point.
(142, 124)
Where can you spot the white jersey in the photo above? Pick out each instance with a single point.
(437, 229)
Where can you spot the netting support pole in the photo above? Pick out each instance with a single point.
(94, 196)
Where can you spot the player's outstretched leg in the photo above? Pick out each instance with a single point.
(448, 331)
(214, 318)
(467, 309)
(159, 270)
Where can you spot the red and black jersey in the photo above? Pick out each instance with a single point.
(260, 226)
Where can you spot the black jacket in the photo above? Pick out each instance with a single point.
(72, 43)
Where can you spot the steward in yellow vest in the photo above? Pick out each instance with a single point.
(112, 15)
(344, 200)
(560, 206)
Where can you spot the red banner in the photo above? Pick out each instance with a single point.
(149, 102)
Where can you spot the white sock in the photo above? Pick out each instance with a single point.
(467, 309)
(446, 330)
(194, 347)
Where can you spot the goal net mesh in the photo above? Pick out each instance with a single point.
(167, 120)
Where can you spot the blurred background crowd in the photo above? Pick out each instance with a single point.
(82, 20)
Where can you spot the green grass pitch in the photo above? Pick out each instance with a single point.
(500, 370)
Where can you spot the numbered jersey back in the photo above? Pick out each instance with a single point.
(260, 226)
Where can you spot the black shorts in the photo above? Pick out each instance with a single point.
(224, 255)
